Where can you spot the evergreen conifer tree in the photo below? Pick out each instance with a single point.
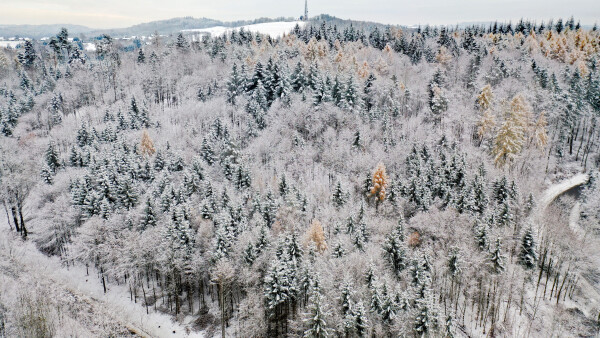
(528, 255)
(149, 216)
(315, 319)
(52, 157)
(339, 196)
(497, 259)
(141, 56)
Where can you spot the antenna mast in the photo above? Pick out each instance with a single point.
(305, 10)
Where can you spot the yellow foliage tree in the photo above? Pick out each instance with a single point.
(520, 108)
(147, 146)
(486, 124)
(443, 56)
(363, 71)
(540, 135)
(511, 135)
(339, 57)
(509, 141)
(379, 183)
(317, 235)
(388, 50)
(311, 52)
(484, 99)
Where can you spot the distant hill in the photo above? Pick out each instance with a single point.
(342, 23)
(39, 31)
(173, 26)
(167, 27)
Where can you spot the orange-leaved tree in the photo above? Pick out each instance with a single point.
(511, 135)
(379, 183)
(315, 234)
(147, 146)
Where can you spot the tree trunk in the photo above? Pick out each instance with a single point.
(145, 300)
(7, 215)
(13, 210)
(103, 282)
(222, 307)
(23, 228)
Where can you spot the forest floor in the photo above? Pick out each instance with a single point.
(76, 300)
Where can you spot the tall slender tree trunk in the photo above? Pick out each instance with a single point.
(13, 210)
(222, 307)
(23, 228)
(7, 215)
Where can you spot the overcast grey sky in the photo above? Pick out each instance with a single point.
(122, 13)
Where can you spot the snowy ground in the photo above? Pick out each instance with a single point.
(10, 44)
(574, 220)
(274, 29)
(21, 265)
(89, 47)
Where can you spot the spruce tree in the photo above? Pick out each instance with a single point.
(182, 43)
(315, 319)
(47, 174)
(339, 196)
(528, 255)
(52, 157)
(28, 56)
(360, 320)
(395, 250)
(206, 152)
(357, 140)
(234, 85)
(141, 56)
(283, 186)
(454, 262)
(149, 216)
(338, 250)
(368, 92)
(497, 259)
(481, 235)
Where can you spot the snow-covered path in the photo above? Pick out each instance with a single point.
(574, 220)
(588, 287)
(21, 262)
(551, 194)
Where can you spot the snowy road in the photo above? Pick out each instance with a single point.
(23, 267)
(551, 194)
(587, 286)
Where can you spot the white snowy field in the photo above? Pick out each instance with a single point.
(115, 307)
(274, 29)
(10, 44)
(89, 47)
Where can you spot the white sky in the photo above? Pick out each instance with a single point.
(123, 13)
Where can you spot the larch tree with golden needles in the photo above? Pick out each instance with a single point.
(511, 136)
(484, 99)
(443, 56)
(487, 122)
(379, 184)
(147, 146)
(316, 235)
(540, 134)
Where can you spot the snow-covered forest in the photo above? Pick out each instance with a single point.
(335, 181)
